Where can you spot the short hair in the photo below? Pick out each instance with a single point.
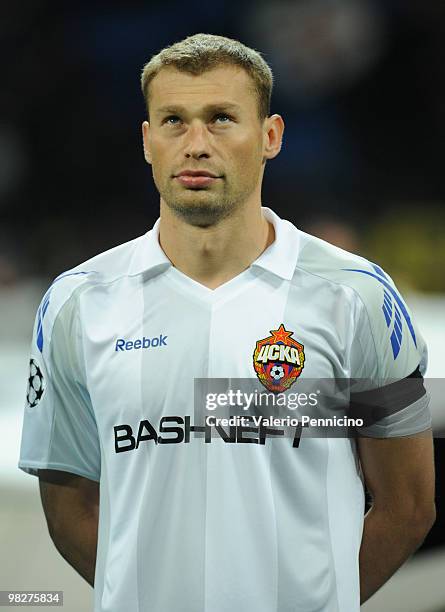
(201, 52)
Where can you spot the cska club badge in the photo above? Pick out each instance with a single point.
(278, 360)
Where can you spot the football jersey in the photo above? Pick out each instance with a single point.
(248, 522)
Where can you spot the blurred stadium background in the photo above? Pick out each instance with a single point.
(361, 87)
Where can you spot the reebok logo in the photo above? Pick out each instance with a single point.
(140, 343)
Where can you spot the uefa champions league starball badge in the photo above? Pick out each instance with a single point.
(36, 384)
(278, 360)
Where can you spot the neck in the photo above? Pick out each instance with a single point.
(214, 255)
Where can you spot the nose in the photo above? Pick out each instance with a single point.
(196, 141)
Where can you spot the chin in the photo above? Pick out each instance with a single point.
(199, 212)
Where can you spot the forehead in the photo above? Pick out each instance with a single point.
(228, 84)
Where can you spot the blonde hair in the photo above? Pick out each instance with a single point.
(201, 52)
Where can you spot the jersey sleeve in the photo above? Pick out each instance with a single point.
(59, 427)
(388, 361)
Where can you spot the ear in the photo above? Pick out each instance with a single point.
(273, 136)
(145, 139)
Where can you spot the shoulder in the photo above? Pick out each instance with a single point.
(383, 319)
(109, 265)
(368, 282)
(61, 294)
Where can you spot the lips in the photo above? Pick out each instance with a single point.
(196, 178)
(197, 173)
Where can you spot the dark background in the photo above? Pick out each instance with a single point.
(359, 83)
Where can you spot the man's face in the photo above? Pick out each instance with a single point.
(206, 123)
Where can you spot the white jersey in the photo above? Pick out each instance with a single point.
(214, 524)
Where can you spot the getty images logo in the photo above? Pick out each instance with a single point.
(140, 343)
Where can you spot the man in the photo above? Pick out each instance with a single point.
(239, 518)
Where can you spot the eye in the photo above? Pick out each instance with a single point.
(223, 117)
(171, 120)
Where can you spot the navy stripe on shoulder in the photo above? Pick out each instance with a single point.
(44, 307)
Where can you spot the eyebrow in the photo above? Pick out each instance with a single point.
(178, 108)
